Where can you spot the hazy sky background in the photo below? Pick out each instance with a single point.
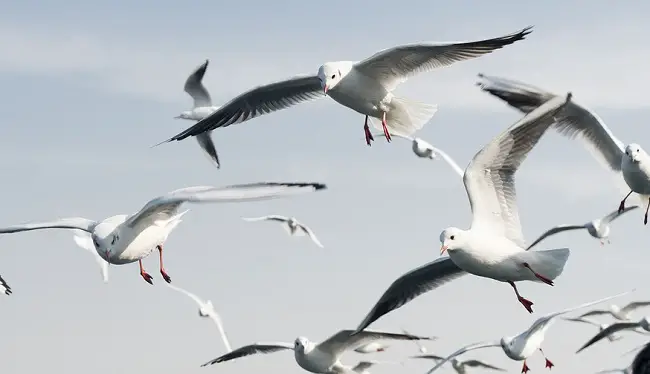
(88, 88)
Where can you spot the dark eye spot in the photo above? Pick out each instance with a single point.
(452, 237)
(333, 76)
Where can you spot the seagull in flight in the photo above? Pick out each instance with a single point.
(622, 314)
(643, 323)
(319, 358)
(4, 287)
(293, 227)
(461, 366)
(125, 238)
(601, 326)
(206, 310)
(598, 228)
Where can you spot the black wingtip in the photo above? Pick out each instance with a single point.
(163, 142)
(320, 186)
(569, 96)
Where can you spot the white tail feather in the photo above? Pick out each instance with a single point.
(549, 263)
(406, 116)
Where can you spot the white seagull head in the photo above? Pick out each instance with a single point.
(634, 152)
(451, 239)
(330, 74)
(300, 344)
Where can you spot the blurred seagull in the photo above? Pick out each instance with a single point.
(461, 366)
(293, 227)
(643, 323)
(621, 314)
(601, 326)
(4, 287)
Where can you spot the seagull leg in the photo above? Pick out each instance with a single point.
(525, 368)
(383, 124)
(539, 276)
(549, 364)
(621, 207)
(645, 218)
(366, 129)
(525, 302)
(148, 278)
(166, 277)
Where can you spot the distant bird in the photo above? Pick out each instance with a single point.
(461, 366)
(601, 326)
(202, 108)
(4, 287)
(363, 366)
(206, 310)
(363, 86)
(598, 228)
(631, 161)
(293, 227)
(421, 347)
(321, 358)
(85, 241)
(643, 323)
(371, 348)
(621, 314)
(493, 247)
(124, 238)
(524, 345)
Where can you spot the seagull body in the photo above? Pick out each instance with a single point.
(294, 228)
(371, 348)
(461, 366)
(202, 109)
(643, 323)
(601, 326)
(85, 241)
(598, 228)
(420, 147)
(524, 345)
(631, 161)
(363, 86)
(493, 247)
(4, 287)
(321, 358)
(206, 310)
(622, 314)
(124, 238)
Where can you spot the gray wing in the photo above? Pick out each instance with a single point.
(555, 230)
(429, 357)
(575, 121)
(63, 223)
(465, 349)
(256, 102)
(363, 365)
(251, 350)
(394, 65)
(582, 320)
(634, 305)
(207, 145)
(480, 364)
(490, 177)
(615, 214)
(276, 218)
(411, 285)
(164, 207)
(609, 331)
(194, 86)
(349, 339)
(4, 287)
(595, 312)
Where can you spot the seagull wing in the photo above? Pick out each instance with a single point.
(84, 240)
(555, 230)
(454, 165)
(363, 365)
(465, 349)
(490, 176)
(195, 88)
(192, 296)
(207, 145)
(582, 320)
(429, 357)
(395, 65)
(611, 329)
(216, 318)
(595, 312)
(615, 214)
(256, 102)
(63, 223)
(411, 285)
(634, 305)
(349, 339)
(480, 364)
(268, 218)
(311, 235)
(165, 207)
(4, 287)
(251, 350)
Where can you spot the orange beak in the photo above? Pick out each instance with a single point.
(325, 89)
(443, 249)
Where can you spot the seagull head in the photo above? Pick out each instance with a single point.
(300, 344)
(633, 151)
(507, 344)
(330, 75)
(451, 239)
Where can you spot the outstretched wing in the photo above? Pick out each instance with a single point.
(195, 88)
(64, 223)
(429, 357)
(595, 312)
(348, 339)
(311, 235)
(363, 365)
(480, 364)
(267, 218)
(192, 296)
(251, 350)
(634, 305)
(465, 349)
(4, 287)
(609, 331)
(555, 230)
(615, 214)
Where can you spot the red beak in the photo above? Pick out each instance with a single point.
(325, 89)
(443, 249)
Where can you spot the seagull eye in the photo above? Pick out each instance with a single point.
(452, 237)
(333, 76)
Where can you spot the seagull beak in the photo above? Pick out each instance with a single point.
(443, 249)
(177, 117)
(325, 88)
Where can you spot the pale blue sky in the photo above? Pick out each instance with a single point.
(87, 88)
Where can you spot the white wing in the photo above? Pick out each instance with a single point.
(207, 145)
(251, 350)
(634, 305)
(615, 214)
(272, 217)
(393, 66)
(84, 240)
(411, 285)
(194, 86)
(63, 223)
(222, 332)
(555, 230)
(348, 339)
(4, 287)
(465, 349)
(192, 296)
(164, 207)
(311, 235)
(256, 102)
(490, 176)
(454, 165)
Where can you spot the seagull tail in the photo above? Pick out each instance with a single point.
(549, 263)
(406, 116)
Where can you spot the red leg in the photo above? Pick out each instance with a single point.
(148, 278)
(621, 207)
(166, 277)
(645, 218)
(383, 124)
(525, 302)
(525, 368)
(549, 364)
(366, 129)
(539, 276)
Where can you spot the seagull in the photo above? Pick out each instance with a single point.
(631, 161)
(643, 323)
(294, 228)
(4, 287)
(622, 314)
(524, 345)
(421, 347)
(493, 247)
(124, 238)
(461, 366)
(601, 326)
(372, 347)
(364, 86)
(598, 228)
(202, 108)
(206, 310)
(318, 358)
(85, 241)
(627, 370)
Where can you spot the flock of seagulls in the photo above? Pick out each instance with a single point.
(492, 247)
